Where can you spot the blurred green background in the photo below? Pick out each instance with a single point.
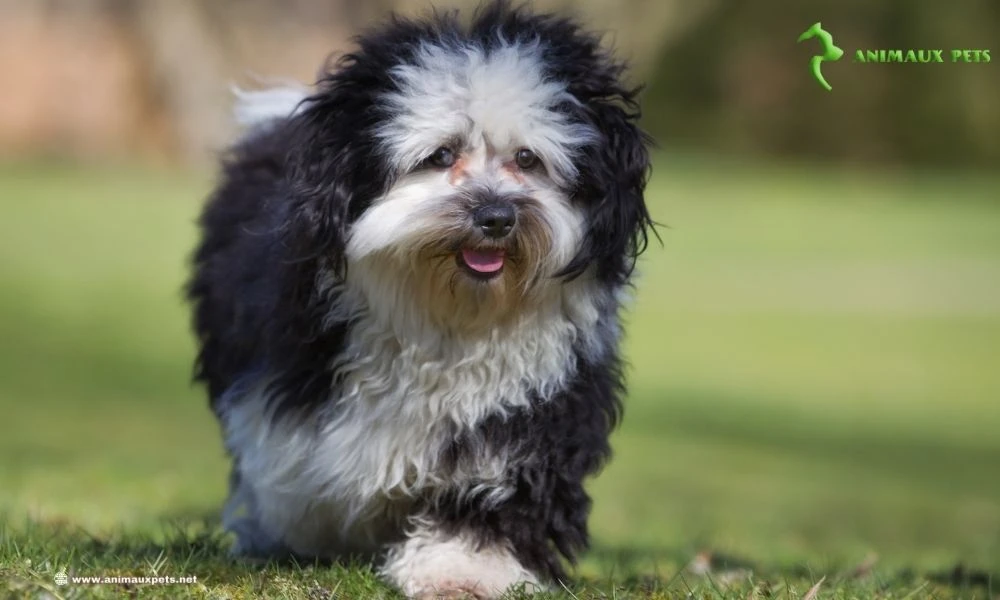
(815, 347)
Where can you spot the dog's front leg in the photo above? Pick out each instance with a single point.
(432, 563)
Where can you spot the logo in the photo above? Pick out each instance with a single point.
(61, 578)
(830, 52)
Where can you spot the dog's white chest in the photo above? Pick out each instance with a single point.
(397, 404)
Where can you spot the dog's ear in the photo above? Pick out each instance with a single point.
(613, 174)
(331, 170)
(330, 177)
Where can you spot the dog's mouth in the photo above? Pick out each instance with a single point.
(482, 263)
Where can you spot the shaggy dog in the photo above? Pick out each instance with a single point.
(407, 300)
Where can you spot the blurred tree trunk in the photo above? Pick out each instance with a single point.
(187, 70)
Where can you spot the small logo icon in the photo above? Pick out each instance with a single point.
(830, 52)
(61, 578)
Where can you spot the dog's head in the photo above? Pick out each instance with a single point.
(470, 170)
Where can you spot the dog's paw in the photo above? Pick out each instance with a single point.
(447, 590)
(431, 565)
(451, 589)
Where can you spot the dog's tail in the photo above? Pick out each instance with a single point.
(254, 108)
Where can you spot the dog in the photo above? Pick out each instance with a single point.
(406, 298)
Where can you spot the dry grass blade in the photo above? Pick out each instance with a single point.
(568, 591)
(814, 590)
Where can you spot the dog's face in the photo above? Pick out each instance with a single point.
(480, 216)
(470, 172)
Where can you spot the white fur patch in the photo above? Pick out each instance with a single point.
(502, 98)
(431, 565)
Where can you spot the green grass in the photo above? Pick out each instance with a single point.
(815, 383)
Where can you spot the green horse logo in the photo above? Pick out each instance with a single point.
(830, 52)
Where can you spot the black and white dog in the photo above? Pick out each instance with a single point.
(407, 300)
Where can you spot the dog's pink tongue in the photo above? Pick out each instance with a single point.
(489, 261)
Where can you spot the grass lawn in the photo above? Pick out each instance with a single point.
(815, 394)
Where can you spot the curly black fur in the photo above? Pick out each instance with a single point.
(558, 444)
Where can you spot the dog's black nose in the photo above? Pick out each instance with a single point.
(495, 220)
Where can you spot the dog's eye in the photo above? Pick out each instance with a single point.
(443, 158)
(526, 159)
